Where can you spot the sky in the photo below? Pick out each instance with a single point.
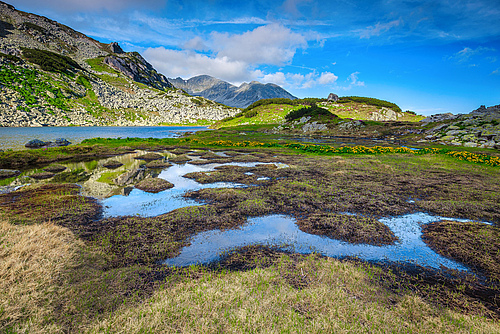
(429, 56)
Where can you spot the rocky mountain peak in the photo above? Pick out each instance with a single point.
(115, 48)
(228, 94)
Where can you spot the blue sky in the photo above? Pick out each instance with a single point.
(426, 56)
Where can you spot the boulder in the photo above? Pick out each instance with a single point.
(35, 143)
(62, 142)
(332, 97)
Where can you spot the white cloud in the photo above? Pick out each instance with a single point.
(353, 82)
(379, 28)
(271, 44)
(327, 78)
(297, 80)
(195, 43)
(277, 78)
(187, 64)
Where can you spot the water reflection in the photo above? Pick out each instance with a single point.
(146, 204)
(282, 231)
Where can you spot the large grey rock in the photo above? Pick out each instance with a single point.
(62, 142)
(115, 48)
(35, 143)
(332, 97)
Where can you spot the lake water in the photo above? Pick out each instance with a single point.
(15, 138)
(283, 232)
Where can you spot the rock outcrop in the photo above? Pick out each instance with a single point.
(480, 128)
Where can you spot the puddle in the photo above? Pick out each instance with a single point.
(144, 204)
(282, 232)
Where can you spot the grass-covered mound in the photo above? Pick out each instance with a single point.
(475, 244)
(154, 185)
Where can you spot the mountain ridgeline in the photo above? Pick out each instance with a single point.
(230, 95)
(52, 75)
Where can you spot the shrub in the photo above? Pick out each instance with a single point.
(370, 101)
(313, 110)
(12, 58)
(50, 61)
(84, 81)
(250, 114)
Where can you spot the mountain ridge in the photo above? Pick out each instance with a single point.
(52, 75)
(224, 92)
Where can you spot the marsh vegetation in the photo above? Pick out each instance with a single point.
(108, 273)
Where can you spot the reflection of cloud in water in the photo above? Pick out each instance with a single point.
(146, 204)
(277, 230)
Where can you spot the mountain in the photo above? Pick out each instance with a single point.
(53, 75)
(230, 95)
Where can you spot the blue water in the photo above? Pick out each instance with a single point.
(15, 138)
(283, 232)
(146, 204)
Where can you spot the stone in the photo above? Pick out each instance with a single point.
(332, 97)
(438, 118)
(42, 175)
(35, 143)
(62, 142)
(54, 168)
(470, 144)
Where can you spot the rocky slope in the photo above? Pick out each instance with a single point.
(52, 75)
(223, 92)
(480, 128)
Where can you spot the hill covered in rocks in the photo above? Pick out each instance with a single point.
(52, 75)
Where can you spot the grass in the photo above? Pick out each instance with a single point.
(267, 114)
(154, 185)
(475, 244)
(98, 65)
(110, 279)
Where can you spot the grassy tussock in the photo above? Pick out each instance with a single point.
(475, 244)
(338, 297)
(33, 260)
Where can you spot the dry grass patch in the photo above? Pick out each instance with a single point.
(338, 297)
(33, 262)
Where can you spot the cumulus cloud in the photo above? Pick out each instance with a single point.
(235, 57)
(277, 78)
(270, 44)
(298, 80)
(327, 78)
(186, 64)
(195, 43)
